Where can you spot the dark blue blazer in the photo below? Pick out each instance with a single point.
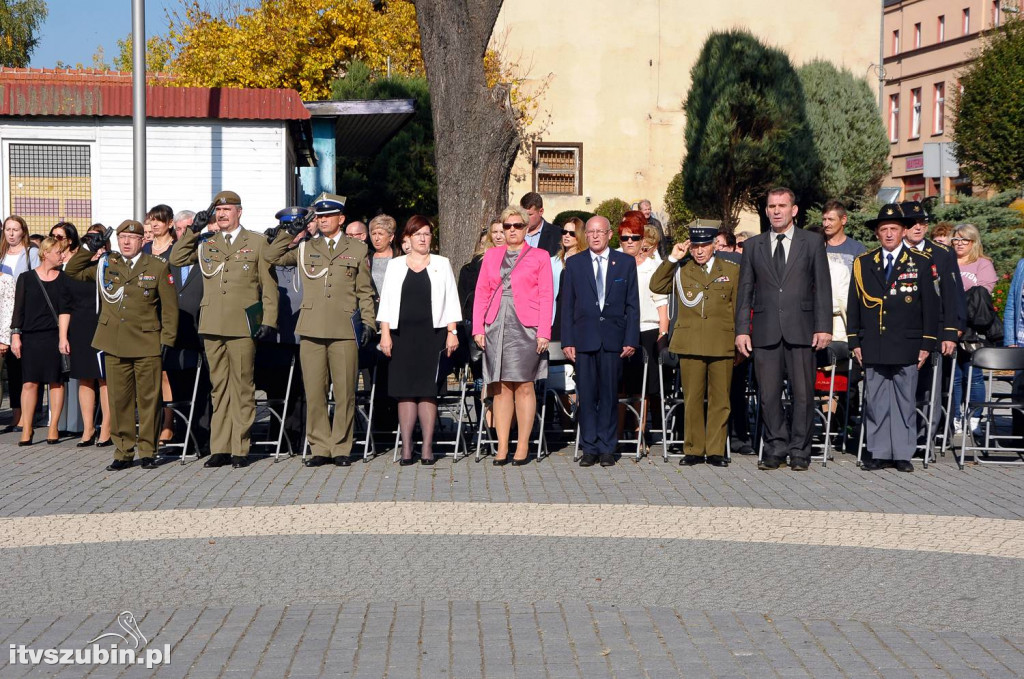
(584, 325)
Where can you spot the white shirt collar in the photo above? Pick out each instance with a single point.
(895, 253)
(710, 263)
(603, 255)
(134, 260)
(788, 233)
(919, 247)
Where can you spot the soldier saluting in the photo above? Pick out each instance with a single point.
(237, 282)
(138, 315)
(336, 291)
(705, 287)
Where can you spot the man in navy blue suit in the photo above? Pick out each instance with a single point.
(600, 327)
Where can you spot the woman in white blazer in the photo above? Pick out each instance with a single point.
(419, 310)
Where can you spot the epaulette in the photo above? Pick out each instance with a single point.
(730, 262)
(938, 245)
(871, 254)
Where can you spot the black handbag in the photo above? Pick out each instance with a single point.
(65, 359)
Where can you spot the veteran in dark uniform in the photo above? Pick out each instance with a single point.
(138, 316)
(893, 321)
(705, 287)
(239, 306)
(336, 317)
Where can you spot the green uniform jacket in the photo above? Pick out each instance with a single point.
(138, 307)
(333, 288)
(235, 278)
(704, 323)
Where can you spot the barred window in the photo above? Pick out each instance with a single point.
(50, 183)
(558, 168)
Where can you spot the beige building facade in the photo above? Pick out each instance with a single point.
(926, 44)
(611, 118)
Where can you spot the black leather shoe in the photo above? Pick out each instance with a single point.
(799, 465)
(118, 465)
(520, 463)
(22, 444)
(588, 460)
(607, 460)
(52, 442)
(717, 461)
(904, 466)
(87, 443)
(871, 465)
(405, 462)
(343, 461)
(501, 461)
(768, 463)
(690, 460)
(149, 463)
(11, 428)
(218, 460)
(238, 461)
(315, 461)
(427, 461)
(104, 444)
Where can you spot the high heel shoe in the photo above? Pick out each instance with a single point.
(104, 444)
(22, 444)
(516, 462)
(427, 461)
(405, 462)
(52, 442)
(500, 461)
(87, 443)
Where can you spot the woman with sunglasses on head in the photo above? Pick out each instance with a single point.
(419, 310)
(634, 240)
(976, 270)
(17, 256)
(512, 324)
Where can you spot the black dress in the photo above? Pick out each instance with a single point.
(85, 362)
(40, 353)
(417, 344)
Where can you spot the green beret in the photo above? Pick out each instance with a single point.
(130, 226)
(227, 198)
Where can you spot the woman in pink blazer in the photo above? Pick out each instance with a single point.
(512, 324)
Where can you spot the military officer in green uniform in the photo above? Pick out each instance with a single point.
(705, 288)
(237, 281)
(336, 317)
(138, 315)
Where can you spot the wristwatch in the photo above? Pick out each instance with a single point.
(454, 331)
(15, 331)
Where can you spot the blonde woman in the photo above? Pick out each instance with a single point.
(39, 334)
(16, 257)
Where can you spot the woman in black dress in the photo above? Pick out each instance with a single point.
(86, 362)
(419, 309)
(38, 338)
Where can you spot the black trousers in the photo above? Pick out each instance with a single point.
(773, 365)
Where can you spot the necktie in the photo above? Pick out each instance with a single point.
(888, 267)
(227, 239)
(780, 255)
(184, 272)
(600, 282)
(330, 247)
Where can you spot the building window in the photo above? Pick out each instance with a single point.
(915, 113)
(50, 183)
(558, 168)
(966, 21)
(917, 35)
(995, 13)
(938, 124)
(941, 33)
(895, 42)
(894, 118)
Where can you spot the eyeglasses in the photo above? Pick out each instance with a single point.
(58, 236)
(961, 240)
(631, 238)
(569, 232)
(513, 225)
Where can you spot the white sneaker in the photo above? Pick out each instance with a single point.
(976, 427)
(958, 426)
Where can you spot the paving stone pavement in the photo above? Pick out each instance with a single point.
(643, 570)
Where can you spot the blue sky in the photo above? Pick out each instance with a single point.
(75, 28)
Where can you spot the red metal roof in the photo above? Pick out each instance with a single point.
(88, 92)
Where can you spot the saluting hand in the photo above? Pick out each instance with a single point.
(679, 250)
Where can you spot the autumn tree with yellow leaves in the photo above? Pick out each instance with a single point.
(301, 44)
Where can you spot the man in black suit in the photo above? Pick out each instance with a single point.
(893, 319)
(180, 362)
(784, 311)
(600, 327)
(540, 233)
